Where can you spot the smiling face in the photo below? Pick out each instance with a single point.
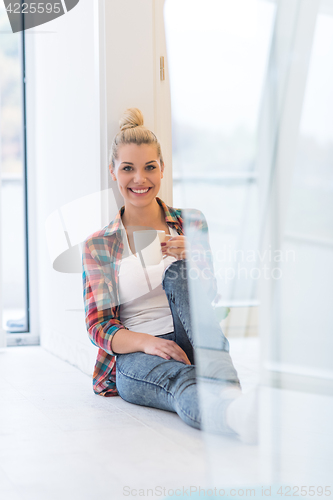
(138, 172)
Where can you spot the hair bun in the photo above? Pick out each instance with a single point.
(131, 118)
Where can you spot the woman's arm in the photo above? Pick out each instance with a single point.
(126, 341)
(102, 323)
(100, 310)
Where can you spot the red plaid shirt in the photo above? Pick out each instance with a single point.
(102, 255)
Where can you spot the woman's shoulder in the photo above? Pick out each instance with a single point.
(189, 215)
(193, 214)
(107, 233)
(101, 242)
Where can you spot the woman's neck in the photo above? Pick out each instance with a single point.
(151, 215)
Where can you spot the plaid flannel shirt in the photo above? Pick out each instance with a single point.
(102, 254)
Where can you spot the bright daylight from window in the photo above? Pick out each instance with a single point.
(12, 171)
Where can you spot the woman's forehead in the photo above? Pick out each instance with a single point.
(137, 154)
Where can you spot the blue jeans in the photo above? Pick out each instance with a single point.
(149, 380)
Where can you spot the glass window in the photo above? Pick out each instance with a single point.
(12, 169)
(311, 208)
(217, 54)
(307, 285)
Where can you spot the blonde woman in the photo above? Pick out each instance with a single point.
(147, 351)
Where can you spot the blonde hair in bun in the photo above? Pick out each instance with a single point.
(130, 119)
(132, 131)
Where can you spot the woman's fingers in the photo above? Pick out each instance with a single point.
(174, 242)
(166, 349)
(162, 354)
(176, 352)
(181, 359)
(167, 356)
(175, 247)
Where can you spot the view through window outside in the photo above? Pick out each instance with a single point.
(218, 59)
(12, 170)
(309, 221)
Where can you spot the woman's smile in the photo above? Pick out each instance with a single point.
(139, 192)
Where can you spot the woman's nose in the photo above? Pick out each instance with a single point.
(139, 176)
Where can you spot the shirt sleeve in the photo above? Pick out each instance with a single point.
(102, 319)
(200, 253)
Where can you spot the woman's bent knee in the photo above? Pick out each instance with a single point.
(163, 384)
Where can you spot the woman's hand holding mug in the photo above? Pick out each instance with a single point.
(175, 247)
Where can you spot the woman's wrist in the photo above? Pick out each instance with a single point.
(125, 341)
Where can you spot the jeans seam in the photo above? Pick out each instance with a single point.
(156, 385)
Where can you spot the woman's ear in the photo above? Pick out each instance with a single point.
(162, 170)
(112, 172)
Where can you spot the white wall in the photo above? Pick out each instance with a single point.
(135, 40)
(76, 88)
(63, 163)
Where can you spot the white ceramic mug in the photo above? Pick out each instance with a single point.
(148, 246)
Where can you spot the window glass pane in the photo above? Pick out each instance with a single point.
(307, 284)
(12, 169)
(311, 209)
(217, 55)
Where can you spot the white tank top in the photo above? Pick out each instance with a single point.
(144, 306)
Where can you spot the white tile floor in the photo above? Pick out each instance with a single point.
(58, 440)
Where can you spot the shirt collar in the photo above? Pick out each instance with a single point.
(116, 225)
